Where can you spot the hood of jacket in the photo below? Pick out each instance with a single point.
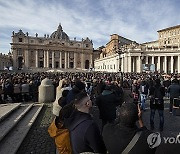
(75, 119)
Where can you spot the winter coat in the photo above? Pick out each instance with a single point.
(25, 88)
(107, 103)
(116, 138)
(157, 92)
(8, 88)
(174, 90)
(17, 88)
(84, 133)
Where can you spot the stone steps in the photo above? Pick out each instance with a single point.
(14, 128)
(6, 109)
(7, 124)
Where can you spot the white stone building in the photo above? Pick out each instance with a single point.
(164, 54)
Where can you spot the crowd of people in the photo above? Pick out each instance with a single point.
(120, 103)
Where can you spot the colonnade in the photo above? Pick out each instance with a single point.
(166, 64)
(63, 60)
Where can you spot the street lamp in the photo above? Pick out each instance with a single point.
(119, 51)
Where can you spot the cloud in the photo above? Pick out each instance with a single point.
(137, 20)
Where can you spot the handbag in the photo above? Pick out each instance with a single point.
(132, 143)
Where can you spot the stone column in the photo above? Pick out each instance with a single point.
(129, 64)
(82, 61)
(91, 60)
(65, 61)
(152, 59)
(68, 59)
(118, 61)
(36, 58)
(179, 64)
(172, 62)
(136, 64)
(60, 59)
(147, 59)
(139, 66)
(52, 59)
(47, 59)
(165, 64)
(159, 64)
(75, 60)
(122, 64)
(15, 59)
(125, 64)
(26, 58)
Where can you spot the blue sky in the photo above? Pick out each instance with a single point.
(137, 20)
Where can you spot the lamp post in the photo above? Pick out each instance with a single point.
(119, 51)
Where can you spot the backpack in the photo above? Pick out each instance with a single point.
(61, 136)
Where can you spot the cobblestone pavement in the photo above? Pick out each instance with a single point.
(38, 140)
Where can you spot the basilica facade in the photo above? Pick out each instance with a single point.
(121, 54)
(56, 51)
